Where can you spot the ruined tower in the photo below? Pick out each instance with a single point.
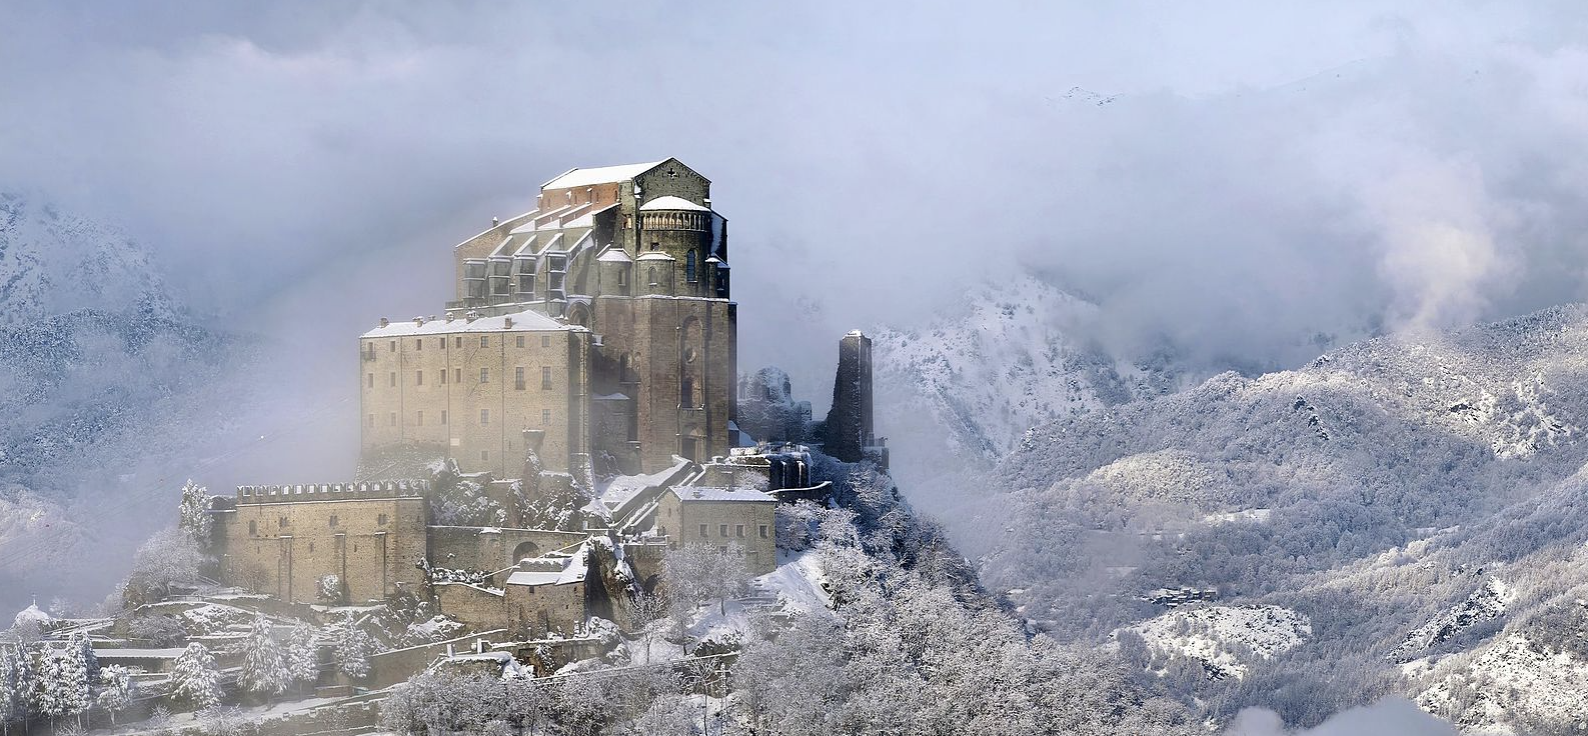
(848, 434)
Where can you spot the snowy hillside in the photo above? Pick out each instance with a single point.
(103, 379)
(1417, 499)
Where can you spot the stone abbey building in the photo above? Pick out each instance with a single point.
(595, 329)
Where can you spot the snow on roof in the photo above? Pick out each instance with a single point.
(526, 321)
(31, 613)
(655, 255)
(553, 570)
(614, 255)
(599, 175)
(697, 493)
(139, 653)
(672, 203)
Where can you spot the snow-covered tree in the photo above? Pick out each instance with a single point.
(194, 679)
(13, 700)
(353, 649)
(196, 521)
(699, 572)
(168, 557)
(115, 690)
(61, 689)
(303, 656)
(83, 650)
(265, 667)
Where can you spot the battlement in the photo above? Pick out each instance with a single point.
(292, 493)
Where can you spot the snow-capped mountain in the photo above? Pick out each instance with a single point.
(103, 378)
(1420, 501)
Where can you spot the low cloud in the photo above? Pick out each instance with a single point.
(1388, 717)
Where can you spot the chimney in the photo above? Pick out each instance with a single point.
(384, 322)
(495, 222)
(471, 315)
(419, 321)
(507, 323)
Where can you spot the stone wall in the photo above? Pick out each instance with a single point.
(492, 548)
(739, 527)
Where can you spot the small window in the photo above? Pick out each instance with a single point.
(703, 531)
(381, 520)
(419, 378)
(253, 528)
(518, 378)
(392, 378)
(623, 278)
(281, 522)
(443, 416)
(545, 341)
(457, 375)
(370, 382)
(372, 420)
(393, 346)
(738, 530)
(443, 376)
(485, 375)
(655, 245)
(419, 344)
(545, 378)
(442, 341)
(485, 341)
(689, 267)
(485, 456)
(662, 530)
(311, 546)
(457, 342)
(545, 416)
(334, 520)
(519, 340)
(485, 416)
(763, 531)
(419, 419)
(722, 530)
(391, 419)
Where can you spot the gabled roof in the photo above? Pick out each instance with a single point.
(614, 254)
(600, 175)
(696, 493)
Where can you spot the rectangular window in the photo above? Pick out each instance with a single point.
(392, 379)
(457, 342)
(485, 375)
(518, 378)
(485, 416)
(281, 522)
(372, 380)
(545, 378)
(381, 520)
(738, 530)
(545, 416)
(419, 343)
(443, 376)
(419, 378)
(443, 416)
(763, 531)
(545, 341)
(334, 520)
(457, 375)
(722, 530)
(485, 456)
(485, 341)
(419, 419)
(393, 346)
(253, 528)
(372, 420)
(442, 342)
(703, 531)
(520, 340)
(391, 419)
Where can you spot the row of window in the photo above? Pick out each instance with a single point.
(283, 522)
(419, 418)
(457, 342)
(519, 380)
(722, 530)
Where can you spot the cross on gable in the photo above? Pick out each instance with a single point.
(669, 173)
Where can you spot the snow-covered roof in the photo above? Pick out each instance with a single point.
(599, 175)
(614, 255)
(526, 321)
(672, 203)
(31, 613)
(697, 493)
(552, 570)
(139, 653)
(655, 255)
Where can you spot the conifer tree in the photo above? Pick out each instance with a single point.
(62, 685)
(353, 649)
(195, 519)
(194, 678)
(115, 693)
(11, 704)
(83, 649)
(303, 656)
(265, 669)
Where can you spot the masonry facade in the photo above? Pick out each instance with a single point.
(620, 275)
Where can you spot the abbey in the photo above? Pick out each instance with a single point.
(594, 330)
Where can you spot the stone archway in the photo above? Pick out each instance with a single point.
(524, 550)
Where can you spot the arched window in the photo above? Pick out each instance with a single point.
(689, 267)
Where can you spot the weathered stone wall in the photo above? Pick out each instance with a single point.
(283, 544)
(541, 610)
(492, 548)
(477, 608)
(735, 526)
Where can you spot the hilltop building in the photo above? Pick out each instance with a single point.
(595, 329)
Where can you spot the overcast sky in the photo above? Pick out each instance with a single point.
(1255, 174)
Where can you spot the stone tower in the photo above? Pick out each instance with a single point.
(848, 434)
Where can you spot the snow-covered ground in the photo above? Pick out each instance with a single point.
(1225, 639)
